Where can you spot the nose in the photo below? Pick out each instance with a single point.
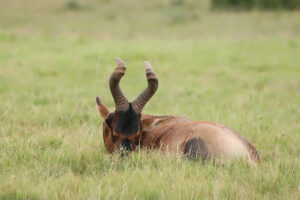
(126, 145)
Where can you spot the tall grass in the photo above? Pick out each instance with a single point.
(239, 69)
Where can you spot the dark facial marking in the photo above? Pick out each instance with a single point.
(128, 122)
(196, 149)
(109, 119)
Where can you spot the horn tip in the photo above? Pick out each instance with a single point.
(98, 101)
(120, 62)
(149, 70)
(148, 65)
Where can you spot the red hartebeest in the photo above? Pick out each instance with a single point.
(128, 128)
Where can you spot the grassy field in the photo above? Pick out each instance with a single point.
(240, 69)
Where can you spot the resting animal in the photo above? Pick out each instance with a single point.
(128, 128)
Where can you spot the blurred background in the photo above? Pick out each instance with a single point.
(121, 19)
(242, 45)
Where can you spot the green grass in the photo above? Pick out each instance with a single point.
(240, 69)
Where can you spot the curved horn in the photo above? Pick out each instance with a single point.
(121, 101)
(140, 101)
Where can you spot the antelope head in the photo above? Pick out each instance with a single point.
(122, 128)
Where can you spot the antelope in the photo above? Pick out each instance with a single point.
(128, 128)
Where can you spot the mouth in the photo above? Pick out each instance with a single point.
(126, 146)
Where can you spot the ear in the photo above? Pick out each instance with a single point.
(104, 112)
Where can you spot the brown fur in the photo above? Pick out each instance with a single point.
(170, 134)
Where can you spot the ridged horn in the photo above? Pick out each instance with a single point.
(139, 102)
(120, 100)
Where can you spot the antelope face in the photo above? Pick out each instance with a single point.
(122, 128)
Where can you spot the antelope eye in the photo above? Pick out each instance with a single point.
(109, 119)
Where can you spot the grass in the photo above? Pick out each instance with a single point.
(240, 69)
